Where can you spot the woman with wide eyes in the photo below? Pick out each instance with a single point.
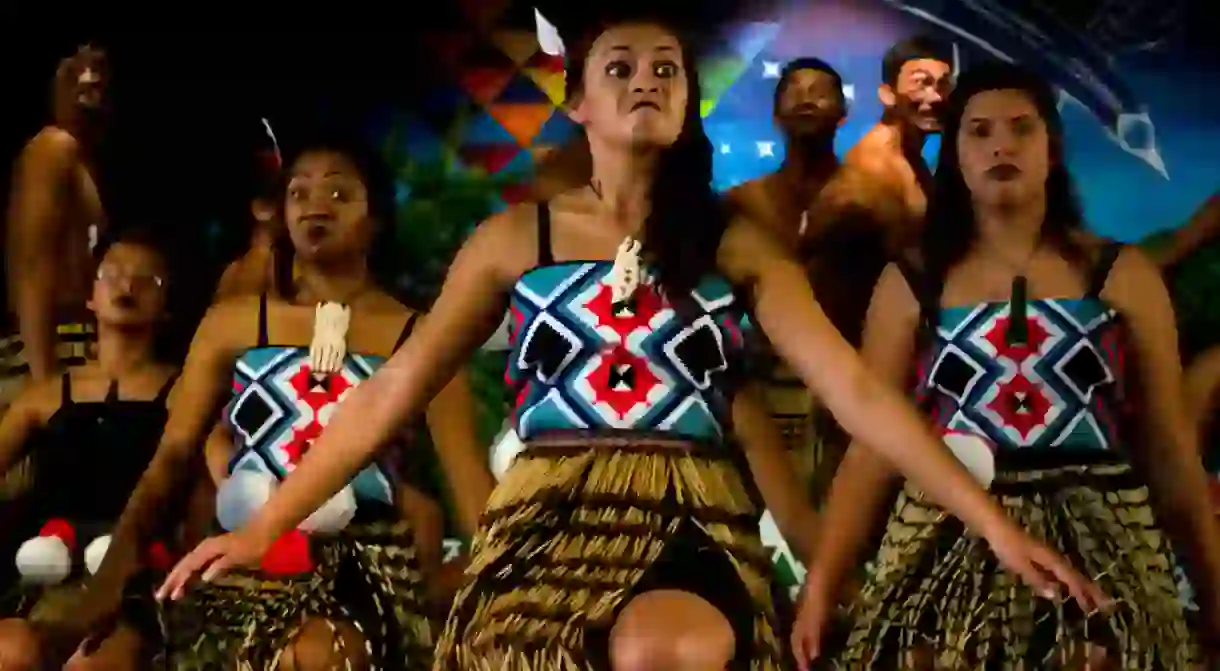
(1026, 335)
(346, 588)
(625, 535)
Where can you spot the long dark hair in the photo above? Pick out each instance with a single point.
(683, 230)
(950, 229)
(378, 181)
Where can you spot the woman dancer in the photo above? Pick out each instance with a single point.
(90, 433)
(1033, 389)
(293, 362)
(625, 534)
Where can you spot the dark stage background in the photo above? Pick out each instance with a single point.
(464, 104)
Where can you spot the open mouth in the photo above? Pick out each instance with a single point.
(644, 104)
(125, 301)
(316, 231)
(1003, 172)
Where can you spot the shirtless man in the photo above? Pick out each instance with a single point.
(809, 106)
(55, 217)
(885, 179)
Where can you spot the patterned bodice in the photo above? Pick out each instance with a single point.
(579, 362)
(279, 408)
(1064, 390)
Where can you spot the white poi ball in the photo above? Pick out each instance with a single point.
(44, 560)
(96, 552)
(975, 452)
(334, 515)
(241, 495)
(504, 450)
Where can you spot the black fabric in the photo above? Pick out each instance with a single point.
(93, 454)
(1101, 270)
(691, 563)
(546, 256)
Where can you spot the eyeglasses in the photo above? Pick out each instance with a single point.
(113, 275)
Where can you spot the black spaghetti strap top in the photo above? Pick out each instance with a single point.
(90, 456)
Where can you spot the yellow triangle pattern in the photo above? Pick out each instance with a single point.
(550, 83)
(518, 45)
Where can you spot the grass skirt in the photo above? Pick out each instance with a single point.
(367, 576)
(572, 531)
(939, 591)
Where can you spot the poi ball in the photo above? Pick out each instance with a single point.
(241, 495)
(47, 559)
(95, 552)
(975, 452)
(334, 515)
(504, 450)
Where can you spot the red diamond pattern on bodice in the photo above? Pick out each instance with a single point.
(643, 305)
(316, 392)
(622, 381)
(1021, 405)
(998, 337)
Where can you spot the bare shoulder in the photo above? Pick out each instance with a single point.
(1134, 279)
(505, 244)
(229, 322)
(40, 399)
(52, 146)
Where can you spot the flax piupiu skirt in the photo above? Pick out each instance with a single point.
(939, 599)
(366, 576)
(584, 521)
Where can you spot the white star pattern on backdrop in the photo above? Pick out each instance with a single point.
(771, 69)
(725, 148)
(766, 149)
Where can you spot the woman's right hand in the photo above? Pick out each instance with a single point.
(814, 615)
(1042, 568)
(213, 557)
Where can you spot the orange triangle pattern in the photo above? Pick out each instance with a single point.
(484, 84)
(519, 45)
(549, 82)
(522, 120)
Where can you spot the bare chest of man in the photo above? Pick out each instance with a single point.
(85, 225)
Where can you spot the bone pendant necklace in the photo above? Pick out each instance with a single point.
(624, 277)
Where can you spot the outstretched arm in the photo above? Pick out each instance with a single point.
(867, 407)
(451, 421)
(468, 310)
(36, 222)
(874, 412)
(864, 481)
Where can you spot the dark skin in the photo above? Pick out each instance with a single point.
(53, 202)
(1202, 228)
(251, 274)
(884, 177)
(627, 65)
(1003, 126)
(126, 357)
(325, 188)
(809, 111)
